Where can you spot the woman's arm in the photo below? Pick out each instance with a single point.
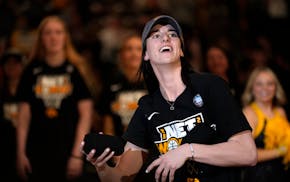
(75, 162)
(251, 117)
(264, 154)
(108, 127)
(128, 165)
(269, 154)
(85, 108)
(239, 150)
(22, 128)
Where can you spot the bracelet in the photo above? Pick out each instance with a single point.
(192, 151)
(76, 157)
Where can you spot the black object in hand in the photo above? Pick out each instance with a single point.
(100, 142)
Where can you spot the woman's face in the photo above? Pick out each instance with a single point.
(53, 37)
(264, 87)
(216, 61)
(131, 53)
(13, 68)
(163, 45)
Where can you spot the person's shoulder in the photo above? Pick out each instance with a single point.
(69, 65)
(203, 75)
(281, 111)
(248, 108)
(249, 112)
(145, 99)
(205, 78)
(32, 65)
(145, 104)
(251, 116)
(71, 68)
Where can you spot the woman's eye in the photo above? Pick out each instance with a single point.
(155, 36)
(173, 34)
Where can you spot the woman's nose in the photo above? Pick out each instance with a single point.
(165, 37)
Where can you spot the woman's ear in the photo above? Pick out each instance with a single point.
(181, 53)
(146, 57)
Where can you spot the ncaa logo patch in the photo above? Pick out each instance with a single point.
(197, 100)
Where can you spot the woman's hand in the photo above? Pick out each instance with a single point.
(168, 163)
(100, 161)
(23, 167)
(74, 167)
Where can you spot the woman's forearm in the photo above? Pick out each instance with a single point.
(84, 124)
(23, 122)
(239, 150)
(126, 169)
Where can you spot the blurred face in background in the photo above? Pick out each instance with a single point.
(217, 61)
(264, 87)
(131, 53)
(13, 68)
(53, 37)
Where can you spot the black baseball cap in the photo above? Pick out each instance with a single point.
(163, 20)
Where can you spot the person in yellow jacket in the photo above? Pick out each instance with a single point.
(263, 101)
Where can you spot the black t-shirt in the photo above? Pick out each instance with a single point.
(8, 107)
(53, 94)
(120, 98)
(206, 113)
(8, 116)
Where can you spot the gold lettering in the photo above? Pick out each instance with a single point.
(162, 147)
(198, 119)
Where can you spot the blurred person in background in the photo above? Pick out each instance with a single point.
(13, 64)
(122, 88)
(24, 33)
(56, 105)
(195, 52)
(263, 101)
(219, 62)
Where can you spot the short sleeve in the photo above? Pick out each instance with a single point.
(81, 90)
(137, 131)
(24, 91)
(224, 109)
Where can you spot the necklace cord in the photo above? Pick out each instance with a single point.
(171, 104)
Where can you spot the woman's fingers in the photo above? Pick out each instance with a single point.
(171, 175)
(100, 160)
(158, 172)
(163, 171)
(164, 175)
(103, 158)
(82, 147)
(152, 165)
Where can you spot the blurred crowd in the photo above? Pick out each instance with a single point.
(253, 32)
(229, 38)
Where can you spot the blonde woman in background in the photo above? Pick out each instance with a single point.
(263, 101)
(56, 105)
